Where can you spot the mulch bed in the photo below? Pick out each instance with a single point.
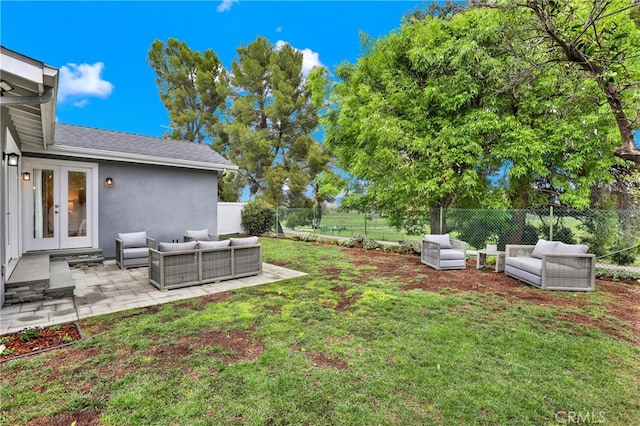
(20, 344)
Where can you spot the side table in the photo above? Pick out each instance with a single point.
(482, 259)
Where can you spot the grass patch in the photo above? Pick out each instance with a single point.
(327, 348)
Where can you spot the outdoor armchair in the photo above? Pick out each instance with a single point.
(439, 251)
(132, 249)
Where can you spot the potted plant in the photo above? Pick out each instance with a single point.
(492, 242)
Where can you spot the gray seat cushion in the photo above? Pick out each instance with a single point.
(133, 239)
(243, 241)
(166, 247)
(451, 254)
(543, 247)
(442, 239)
(563, 248)
(135, 252)
(213, 244)
(201, 234)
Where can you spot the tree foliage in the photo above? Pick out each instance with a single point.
(273, 116)
(596, 40)
(430, 115)
(193, 87)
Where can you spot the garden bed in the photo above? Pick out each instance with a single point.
(35, 340)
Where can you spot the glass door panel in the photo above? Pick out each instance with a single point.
(77, 204)
(45, 208)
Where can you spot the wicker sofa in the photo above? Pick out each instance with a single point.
(552, 265)
(175, 265)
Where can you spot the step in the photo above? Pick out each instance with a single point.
(32, 268)
(61, 282)
(36, 278)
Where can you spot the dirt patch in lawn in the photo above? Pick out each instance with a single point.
(623, 304)
(37, 340)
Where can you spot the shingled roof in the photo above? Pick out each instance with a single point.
(105, 144)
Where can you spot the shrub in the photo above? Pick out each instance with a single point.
(363, 241)
(257, 217)
(624, 257)
(410, 247)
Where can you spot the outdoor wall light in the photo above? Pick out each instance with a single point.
(26, 176)
(108, 182)
(12, 159)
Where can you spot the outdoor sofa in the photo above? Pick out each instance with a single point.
(439, 251)
(552, 265)
(132, 249)
(175, 265)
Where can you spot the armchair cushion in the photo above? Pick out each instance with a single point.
(135, 253)
(191, 245)
(201, 235)
(133, 239)
(213, 244)
(243, 241)
(543, 247)
(442, 239)
(451, 254)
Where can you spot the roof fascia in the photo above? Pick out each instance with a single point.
(133, 158)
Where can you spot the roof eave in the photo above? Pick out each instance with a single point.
(96, 154)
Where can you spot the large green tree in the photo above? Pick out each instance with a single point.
(428, 114)
(193, 87)
(270, 125)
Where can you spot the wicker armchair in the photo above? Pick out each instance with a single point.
(132, 249)
(439, 251)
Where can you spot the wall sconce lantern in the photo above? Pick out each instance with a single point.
(26, 176)
(12, 159)
(108, 182)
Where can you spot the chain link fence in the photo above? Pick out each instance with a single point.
(612, 235)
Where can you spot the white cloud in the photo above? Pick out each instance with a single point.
(310, 58)
(82, 81)
(279, 29)
(225, 5)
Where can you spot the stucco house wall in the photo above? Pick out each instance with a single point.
(164, 201)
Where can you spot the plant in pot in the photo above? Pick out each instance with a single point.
(492, 242)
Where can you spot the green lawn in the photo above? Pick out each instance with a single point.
(333, 348)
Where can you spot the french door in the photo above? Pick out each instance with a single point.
(60, 204)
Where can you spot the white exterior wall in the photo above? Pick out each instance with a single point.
(229, 220)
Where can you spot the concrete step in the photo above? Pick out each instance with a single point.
(36, 277)
(32, 267)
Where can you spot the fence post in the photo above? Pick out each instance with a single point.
(551, 223)
(441, 220)
(365, 223)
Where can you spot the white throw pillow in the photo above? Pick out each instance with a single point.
(442, 239)
(543, 247)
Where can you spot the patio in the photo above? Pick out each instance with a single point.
(106, 288)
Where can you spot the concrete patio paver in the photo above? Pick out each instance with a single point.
(106, 288)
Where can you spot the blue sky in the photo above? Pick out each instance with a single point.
(101, 47)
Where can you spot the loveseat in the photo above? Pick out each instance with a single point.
(175, 265)
(552, 265)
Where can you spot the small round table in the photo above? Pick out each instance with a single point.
(482, 259)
